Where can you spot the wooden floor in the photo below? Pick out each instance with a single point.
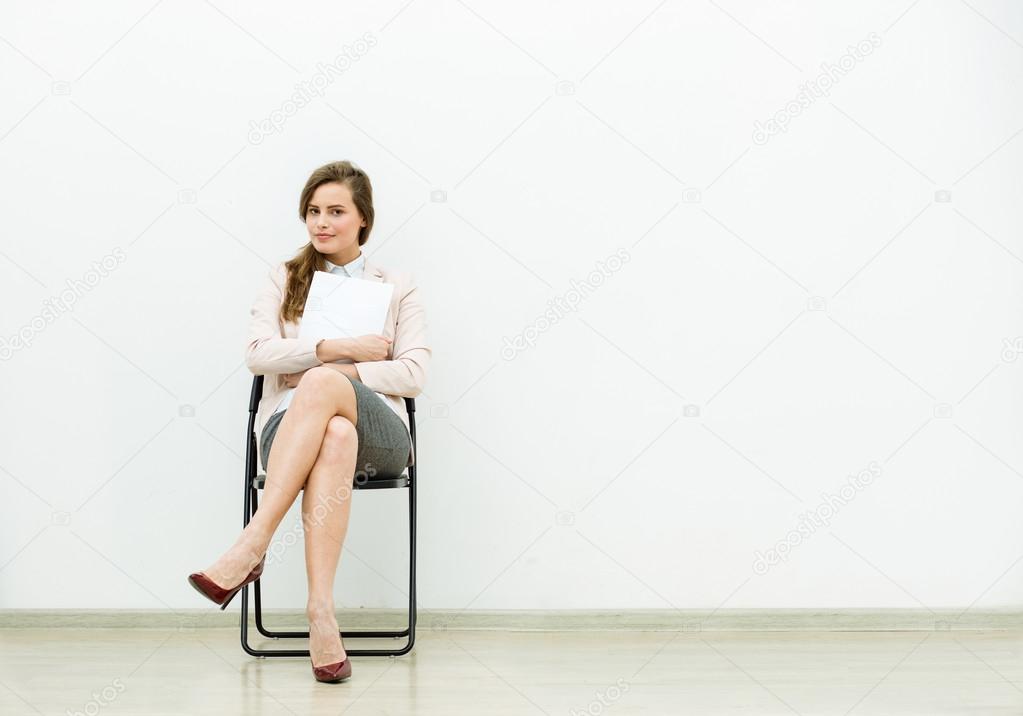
(204, 671)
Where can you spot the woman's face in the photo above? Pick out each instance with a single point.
(333, 223)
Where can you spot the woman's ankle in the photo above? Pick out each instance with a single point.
(320, 610)
(253, 542)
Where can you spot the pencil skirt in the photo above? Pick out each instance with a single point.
(384, 445)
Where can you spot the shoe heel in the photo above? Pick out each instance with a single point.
(224, 605)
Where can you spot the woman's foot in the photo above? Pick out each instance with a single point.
(236, 564)
(325, 645)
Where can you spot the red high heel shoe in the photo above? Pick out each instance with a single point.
(217, 594)
(333, 673)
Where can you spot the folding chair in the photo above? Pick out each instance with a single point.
(253, 483)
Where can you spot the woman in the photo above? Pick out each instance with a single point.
(331, 408)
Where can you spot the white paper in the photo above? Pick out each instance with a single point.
(344, 307)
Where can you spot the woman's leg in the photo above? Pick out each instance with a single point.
(326, 505)
(322, 393)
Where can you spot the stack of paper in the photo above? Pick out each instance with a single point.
(344, 307)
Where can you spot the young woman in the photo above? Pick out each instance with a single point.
(331, 408)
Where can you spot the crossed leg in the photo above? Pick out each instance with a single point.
(315, 448)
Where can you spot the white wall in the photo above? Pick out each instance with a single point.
(795, 308)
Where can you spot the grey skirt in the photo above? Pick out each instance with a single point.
(384, 446)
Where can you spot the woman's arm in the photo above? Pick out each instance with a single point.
(405, 373)
(267, 352)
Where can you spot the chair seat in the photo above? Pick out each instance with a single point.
(369, 484)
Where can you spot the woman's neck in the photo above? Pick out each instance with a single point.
(343, 259)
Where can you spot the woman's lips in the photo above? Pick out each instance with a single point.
(324, 237)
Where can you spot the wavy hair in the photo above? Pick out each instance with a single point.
(308, 260)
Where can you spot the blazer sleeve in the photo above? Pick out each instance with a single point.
(268, 351)
(405, 374)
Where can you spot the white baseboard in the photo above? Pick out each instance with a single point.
(694, 620)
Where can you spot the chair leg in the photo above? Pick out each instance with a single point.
(410, 631)
(252, 504)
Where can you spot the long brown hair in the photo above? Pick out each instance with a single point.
(308, 260)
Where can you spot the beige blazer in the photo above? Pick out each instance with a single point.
(275, 349)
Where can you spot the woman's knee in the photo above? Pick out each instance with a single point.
(322, 383)
(319, 377)
(340, 437)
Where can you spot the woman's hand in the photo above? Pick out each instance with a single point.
(291, 379)
(366, 348)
